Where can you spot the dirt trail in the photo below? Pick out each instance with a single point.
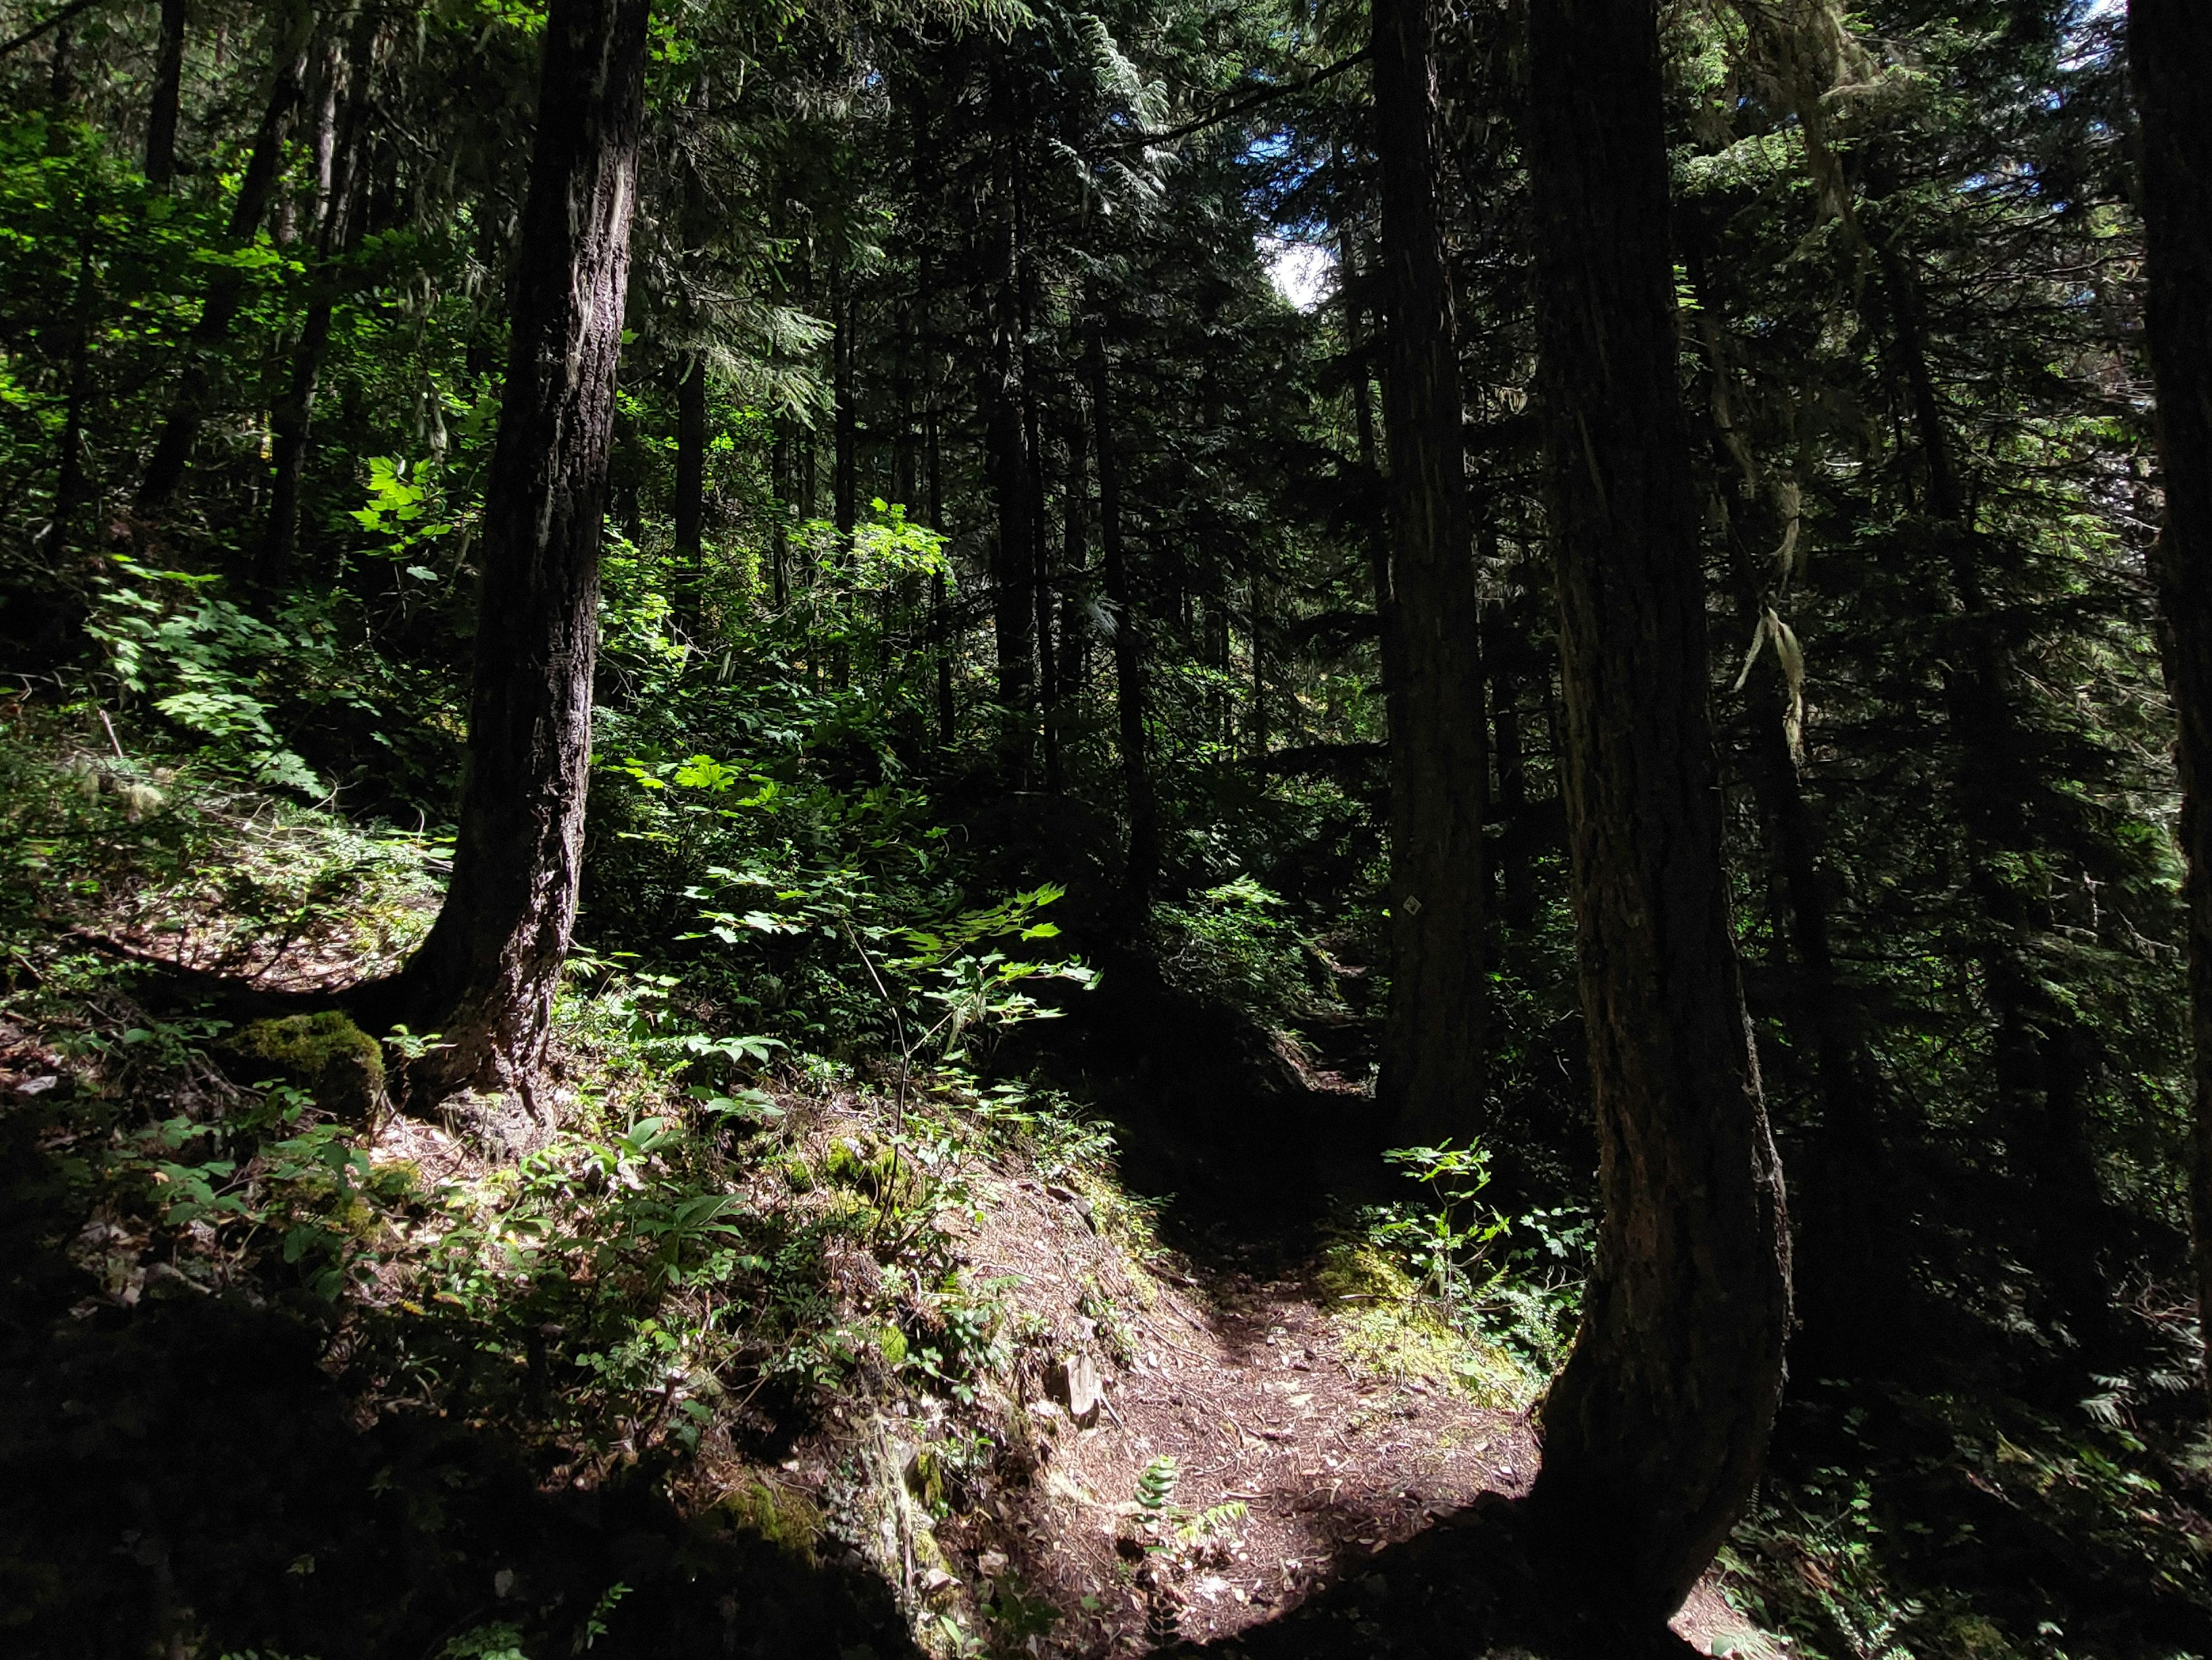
(1244, 1382)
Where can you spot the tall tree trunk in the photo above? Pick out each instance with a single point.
(1390, 650)
(61, 72)
(1654, 1431)
(70, 486)
(1432, 1082)
(1013, 563)
(161, 111)
(1850, 1274)
(940, 602)
(1026, 307)
(690, 503)
(1510, 662)
(779, 468)
(1041, 589)
(1261, 622)
(2170, 54)
(845, 482)
(226, 287)
(339, 233)
(690, 514)
(485, 976)
(1141, 870)
(1075, 559)
(2039, 1053)
(1013, 613)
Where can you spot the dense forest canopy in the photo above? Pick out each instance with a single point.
(1004, 826)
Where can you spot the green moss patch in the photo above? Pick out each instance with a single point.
(325, 1054)
(1390, 1329)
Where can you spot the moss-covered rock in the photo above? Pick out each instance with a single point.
(325, 1054)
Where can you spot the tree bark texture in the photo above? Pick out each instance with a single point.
(226, 288)
(339, 233)
(1141, 869)
(1390, 648)
(1075, 559)
(2170, 54)
(487, 973)
(779, 468)
(691, 470)
(162, 110)
(71, 484)
(1432, 1082)
(1654, 1432)
(941, 595)
(1040, 593)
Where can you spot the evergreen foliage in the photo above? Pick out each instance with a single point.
(1001, 714)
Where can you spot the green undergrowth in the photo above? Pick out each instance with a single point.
(1904, 1525)
(726, 1246)
(732, 1274)
(1449, 1290)
(1240, 941)
(1388, 1328)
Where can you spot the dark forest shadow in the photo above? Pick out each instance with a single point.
(1463, 1589)
(183, 1476)
(1214, 1118)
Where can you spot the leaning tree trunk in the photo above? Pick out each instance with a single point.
(1432, 1056)
(2170, 52)
(162, 110)
(1654, 1432)
(485, 976)
(226, 288)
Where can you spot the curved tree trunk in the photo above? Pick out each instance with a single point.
(1654, 1432)
(2170, 52)
(1431, 1078)
(486, 975)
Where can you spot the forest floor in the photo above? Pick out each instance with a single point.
(842, 1380)
(432, 1387)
